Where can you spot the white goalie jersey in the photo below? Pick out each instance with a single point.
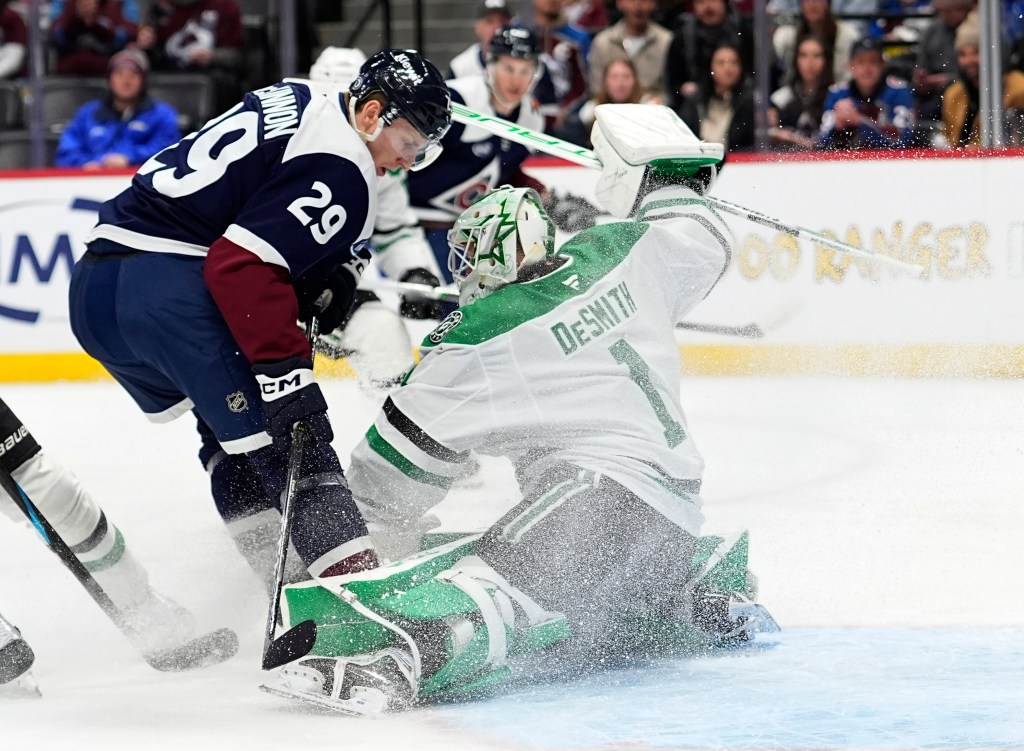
(579, 365)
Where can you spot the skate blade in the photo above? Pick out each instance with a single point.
(364, 702)
(15, 659)
(22, 687)
(202, 652)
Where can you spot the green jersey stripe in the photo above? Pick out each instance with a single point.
(110, 558)
(394, 457)
(647, 208)
(419, 437)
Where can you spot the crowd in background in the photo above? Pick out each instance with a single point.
(891, 74)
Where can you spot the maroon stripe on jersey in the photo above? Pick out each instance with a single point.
(257, 301)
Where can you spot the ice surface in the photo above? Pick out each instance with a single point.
(886, 523)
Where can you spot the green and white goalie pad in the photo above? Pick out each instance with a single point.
(462, 622)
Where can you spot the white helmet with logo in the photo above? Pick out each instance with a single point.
(505, 231)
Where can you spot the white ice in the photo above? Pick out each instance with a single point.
(886, 521)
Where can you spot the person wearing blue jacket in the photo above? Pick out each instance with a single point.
(872, 111)
(123, 129)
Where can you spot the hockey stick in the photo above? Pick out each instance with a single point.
(751, 330)
(299, 639)
(586, 158)
(200, 652)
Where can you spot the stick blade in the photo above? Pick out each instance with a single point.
(202, 652)
(294, 643)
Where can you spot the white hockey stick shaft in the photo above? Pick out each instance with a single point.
(585, 157)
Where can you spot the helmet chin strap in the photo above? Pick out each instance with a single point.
(366, 137)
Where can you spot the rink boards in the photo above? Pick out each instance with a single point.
(822, 312)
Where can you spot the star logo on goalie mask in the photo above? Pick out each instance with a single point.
(237, 402)
(506, 226)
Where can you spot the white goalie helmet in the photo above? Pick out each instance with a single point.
(503, 232)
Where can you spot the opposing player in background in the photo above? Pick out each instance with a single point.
(475, 161)
(373, 337)
(156, 622)
(195, 275)
(565, 362)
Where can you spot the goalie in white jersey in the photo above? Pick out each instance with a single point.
(565, 362)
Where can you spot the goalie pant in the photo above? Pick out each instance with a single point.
(83, 525)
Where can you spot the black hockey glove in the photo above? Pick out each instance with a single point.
(289, 395)
(342, 288)
(416, 306)
(332, 310)
(571, 213)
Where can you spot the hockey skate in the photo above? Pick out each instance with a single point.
(731, 619)
(16, 658)
(360, 685)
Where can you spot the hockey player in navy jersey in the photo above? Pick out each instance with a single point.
(475, 161)
(194, 277)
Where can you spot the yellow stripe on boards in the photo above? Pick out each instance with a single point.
(905, 361)
(898, 360)
(43, 367)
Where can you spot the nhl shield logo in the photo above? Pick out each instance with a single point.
(445, 326)
(237, 402)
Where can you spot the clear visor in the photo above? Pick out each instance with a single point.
(462, 244)
(415, 151)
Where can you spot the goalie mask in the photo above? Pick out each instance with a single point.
(505, 231)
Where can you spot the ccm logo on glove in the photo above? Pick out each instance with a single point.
(276, 387)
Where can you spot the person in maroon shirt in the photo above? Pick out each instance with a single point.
(13, 42)
(200, 36)
(87, 33)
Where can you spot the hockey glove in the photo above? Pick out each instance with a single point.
(291, 395)
(333, 308)
(414, 305)
(571, 213)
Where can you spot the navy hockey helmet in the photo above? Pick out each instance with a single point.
(413, 88)
(514, 41)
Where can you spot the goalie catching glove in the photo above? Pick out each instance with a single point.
(643, 147)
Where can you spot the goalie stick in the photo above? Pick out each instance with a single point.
(200, 652)
(587, 158)
(297, 641)
(752, 330)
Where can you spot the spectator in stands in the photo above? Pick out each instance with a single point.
(816, 18)
(723, 112)
(13, 42)
(620, 84)
(961, 101)
(871, 111)
(589, 15)
(125, 128)
(936, 63)
(202, 36)
(86, 35)
(565, 49)
(129, 11)
(636, 38)
(794, 117)
(695, 39)
(491, 15)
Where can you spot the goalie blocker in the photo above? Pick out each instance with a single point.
(644, 147)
